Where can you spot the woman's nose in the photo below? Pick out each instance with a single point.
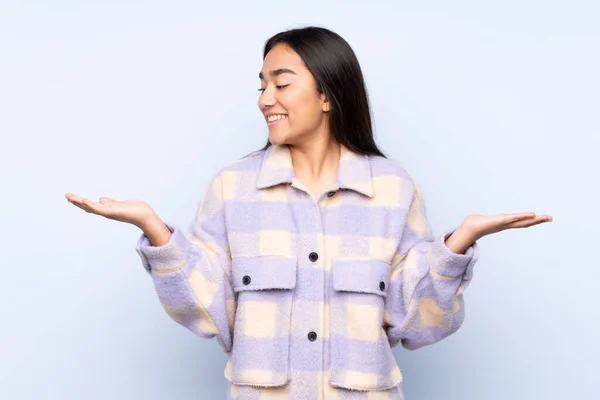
(266, 100)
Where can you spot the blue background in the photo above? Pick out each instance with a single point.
(493, 106)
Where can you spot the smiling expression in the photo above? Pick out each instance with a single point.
(289, 100)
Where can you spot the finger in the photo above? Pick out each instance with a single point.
(95, 207)
(90, 206)
(75, 200)
(533, 223)
(79, 205)
(529, 222)
(106, 200)
(512, 218)
(73, 197)
(80, 202)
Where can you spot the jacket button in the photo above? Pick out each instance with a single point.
(313, 256)
(330, 194)
(246, 280)
(312, 336)
(382, 285)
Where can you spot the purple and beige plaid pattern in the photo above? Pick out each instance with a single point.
(265, 265)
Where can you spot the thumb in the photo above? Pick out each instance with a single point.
(105, 200)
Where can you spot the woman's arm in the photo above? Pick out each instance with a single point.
(191, 270)
(425, 302)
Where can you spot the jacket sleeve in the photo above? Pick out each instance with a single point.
(192, 272)
(425, 302)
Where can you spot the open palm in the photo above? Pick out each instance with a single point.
(481, 225)
(130, 211)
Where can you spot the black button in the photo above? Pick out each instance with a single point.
(246, 280)
(312, 336)
(313, 256)
(330, 194)
(382, 285)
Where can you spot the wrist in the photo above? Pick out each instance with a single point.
(152, 223)
(157, 232)
(467, 234)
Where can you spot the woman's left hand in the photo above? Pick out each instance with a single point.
(481, 225)
(476, 226)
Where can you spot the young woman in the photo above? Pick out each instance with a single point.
(311, 258)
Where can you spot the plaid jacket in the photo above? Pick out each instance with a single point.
(307, 296)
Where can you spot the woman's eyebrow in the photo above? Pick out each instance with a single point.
(277, 72)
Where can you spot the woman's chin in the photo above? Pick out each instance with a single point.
(277, 138)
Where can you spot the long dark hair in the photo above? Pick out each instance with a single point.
(332, 62)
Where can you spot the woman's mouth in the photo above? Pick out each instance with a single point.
(275, 119)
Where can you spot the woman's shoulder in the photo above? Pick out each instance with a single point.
(386, 167)
(241, 168)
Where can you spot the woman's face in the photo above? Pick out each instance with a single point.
(290, 96)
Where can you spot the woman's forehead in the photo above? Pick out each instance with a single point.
(281, 57)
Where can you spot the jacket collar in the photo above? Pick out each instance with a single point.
(354, 171)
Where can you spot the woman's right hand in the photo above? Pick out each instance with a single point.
(136, 212)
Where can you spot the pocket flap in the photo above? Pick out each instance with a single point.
(264, 272)
(368, 275)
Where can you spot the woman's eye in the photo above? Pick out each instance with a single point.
(277, 86)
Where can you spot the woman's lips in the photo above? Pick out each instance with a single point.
(275, 122)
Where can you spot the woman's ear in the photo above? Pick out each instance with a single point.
(324, 103)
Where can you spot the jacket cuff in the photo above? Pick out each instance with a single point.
(168, 256)
(447, 263)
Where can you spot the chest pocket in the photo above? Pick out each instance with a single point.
(361, 357)
(261, 341)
